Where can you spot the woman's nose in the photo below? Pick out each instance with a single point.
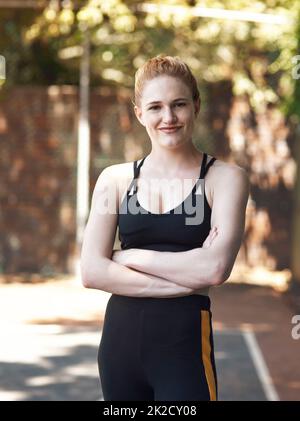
(169, 115)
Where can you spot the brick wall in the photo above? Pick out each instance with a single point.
(38, 157)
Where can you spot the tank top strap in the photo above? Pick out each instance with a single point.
(203, 171)
(209, 165)
(136, 171)
(203, 165)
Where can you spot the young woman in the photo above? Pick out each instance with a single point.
(179, 237)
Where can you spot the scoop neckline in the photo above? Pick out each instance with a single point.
(171, 211)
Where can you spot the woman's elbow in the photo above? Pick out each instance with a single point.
(222, 273)
(92, 277)
(85, 281)
(85, 277)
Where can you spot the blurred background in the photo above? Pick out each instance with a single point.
(66, 85)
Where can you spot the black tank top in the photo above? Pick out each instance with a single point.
(182, 228)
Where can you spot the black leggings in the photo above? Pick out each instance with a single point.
(157, 349)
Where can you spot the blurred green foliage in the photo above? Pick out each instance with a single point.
(44, 46)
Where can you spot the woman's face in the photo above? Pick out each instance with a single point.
(167, 102)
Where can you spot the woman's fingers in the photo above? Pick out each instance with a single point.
(210, 238)
(213, 235)
(214, 232)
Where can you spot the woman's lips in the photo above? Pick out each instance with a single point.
(170, 130)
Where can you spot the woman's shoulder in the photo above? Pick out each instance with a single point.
(119, 171)
(225, 169)
(230, 174)
(121, 176)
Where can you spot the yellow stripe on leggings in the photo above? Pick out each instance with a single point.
(206, 350)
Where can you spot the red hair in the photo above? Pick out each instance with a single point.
(163, 65)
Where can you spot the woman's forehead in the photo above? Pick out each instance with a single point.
(165, 88)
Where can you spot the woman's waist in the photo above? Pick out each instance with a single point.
(195, 300)
(202, 291)
(160, 246)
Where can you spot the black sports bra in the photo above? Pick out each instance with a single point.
(182, 228)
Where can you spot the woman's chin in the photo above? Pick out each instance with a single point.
(172, 142)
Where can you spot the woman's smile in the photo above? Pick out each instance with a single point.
(170, 130)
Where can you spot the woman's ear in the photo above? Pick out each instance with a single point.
(138, 113)
(197, 106)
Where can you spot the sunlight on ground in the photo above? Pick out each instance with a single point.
(48, 362)
(279, 280)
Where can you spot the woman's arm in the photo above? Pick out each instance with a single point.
(97, 269)
(211, 264)
(170, 264)
(118, 279)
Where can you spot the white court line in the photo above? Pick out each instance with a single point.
(260, 366)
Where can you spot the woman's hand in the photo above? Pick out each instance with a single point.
(210, 238)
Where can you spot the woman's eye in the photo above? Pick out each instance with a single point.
(180, 104)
